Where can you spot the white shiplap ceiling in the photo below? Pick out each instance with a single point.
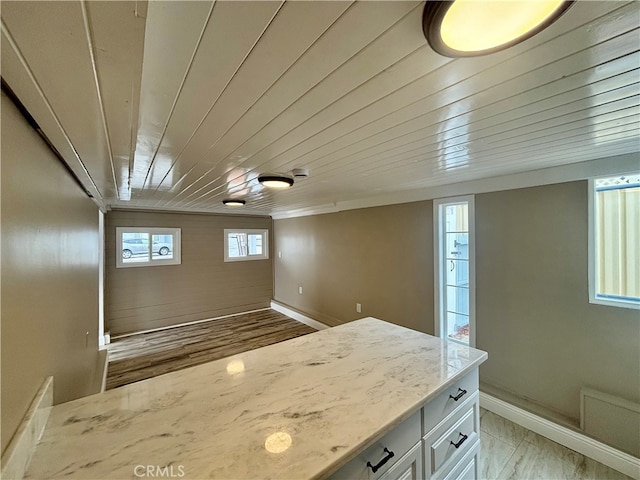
(178, 105)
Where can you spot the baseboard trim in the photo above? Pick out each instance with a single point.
(621, 461)
(278, 307)
(195, 322)
(17, 456)
(104, 363)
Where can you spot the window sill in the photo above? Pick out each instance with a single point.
(245, 259)
(615, 303)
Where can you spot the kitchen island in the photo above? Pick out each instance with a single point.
(299, 409)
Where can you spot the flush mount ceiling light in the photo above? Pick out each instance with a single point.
(468, 28)
(274, 180)
(300, 172)
(230, 202)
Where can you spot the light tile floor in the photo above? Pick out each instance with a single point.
(509, 451)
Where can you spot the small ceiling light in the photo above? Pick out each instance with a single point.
(275, 180)
(231, 202)
(300, 172)
(468, 28)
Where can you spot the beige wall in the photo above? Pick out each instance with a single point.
(380, 257)
(203, 286)
(49, 274)
(544, 339)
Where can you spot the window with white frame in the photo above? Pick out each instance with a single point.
(454, 269)
(242, 244)
(614, 241)
(144, 247)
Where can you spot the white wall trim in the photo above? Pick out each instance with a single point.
(104, 370)
(18, 454)
(619, 164)
(606, 398)
(151, 261)
(598, 451)
(264, 232)
(298, 316)
(592, 248)
(195, 322)
(438, 256)
(275, 306)
(101, 238)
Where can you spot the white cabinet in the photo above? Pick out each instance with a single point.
(450, 399)
(440, 441)
(377, 459)
(451, 428)
(467, 468)
(409, 467)
(449, 441)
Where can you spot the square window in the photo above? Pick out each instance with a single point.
(144, 247)
(242, 245)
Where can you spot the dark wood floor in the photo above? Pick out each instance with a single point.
(147, 355)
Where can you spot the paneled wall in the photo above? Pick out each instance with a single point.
(202, 286)
(49, 275)
(545, 340)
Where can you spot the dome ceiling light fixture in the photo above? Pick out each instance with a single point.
(469, 28)
(275, 180)
(234, 202)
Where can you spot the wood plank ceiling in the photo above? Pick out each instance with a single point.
(178, 105)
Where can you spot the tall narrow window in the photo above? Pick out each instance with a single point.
(614, 243)
(454, 269)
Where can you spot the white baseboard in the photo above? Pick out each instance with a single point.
(18, 454)
(298, 316)
(104, 364)
(621, 461)
(195, 322)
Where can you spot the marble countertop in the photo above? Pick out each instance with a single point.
(297, 409)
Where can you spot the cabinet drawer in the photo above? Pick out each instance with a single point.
(469, 471)
(450, 441)
(440, 407)
(408, 467)
(400, 440)
(467, 468)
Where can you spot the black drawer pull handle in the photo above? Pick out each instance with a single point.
(459, 396)
(457, 445)
(375, 468)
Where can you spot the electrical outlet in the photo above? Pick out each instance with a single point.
(300, 290)
(279, 254)
(358, 308)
